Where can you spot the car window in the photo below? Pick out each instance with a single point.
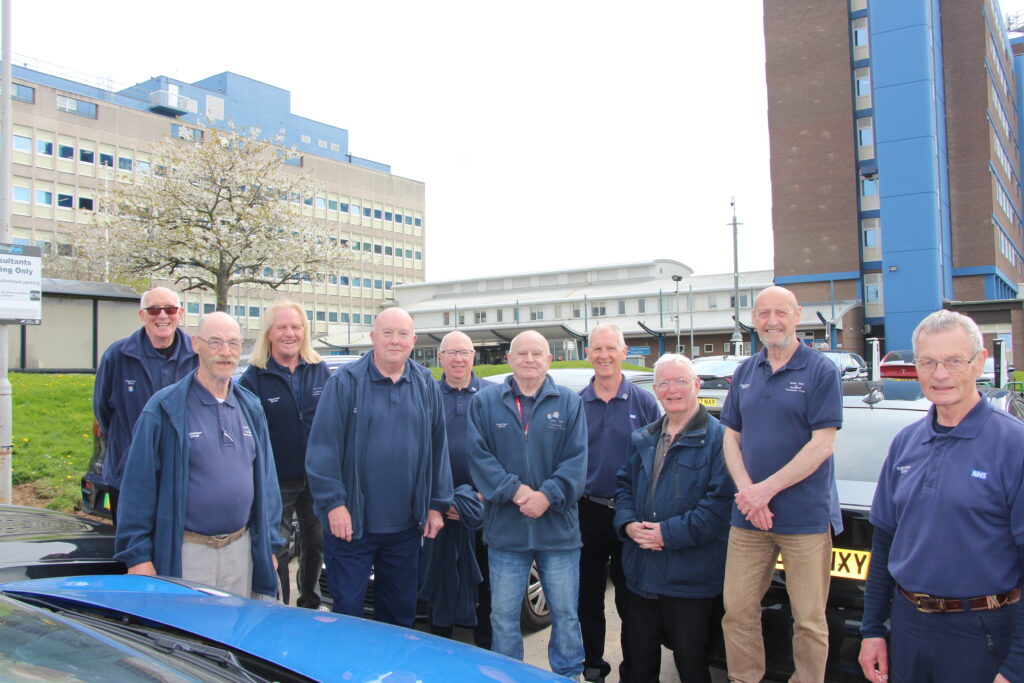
(863, 442)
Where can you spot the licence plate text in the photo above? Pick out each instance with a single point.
(846, 564)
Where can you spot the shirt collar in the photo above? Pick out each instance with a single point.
(206, 398)
(622, 393)
(376, 376)
(968, 428)
(797, 361)
(474, 384)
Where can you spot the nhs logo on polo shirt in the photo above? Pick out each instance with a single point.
(978, 474)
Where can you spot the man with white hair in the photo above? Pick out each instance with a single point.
(614, 409)
(672, 510)
(131, 371)
(947, 555)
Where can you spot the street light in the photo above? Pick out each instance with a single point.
(737, 338)
(676, 279)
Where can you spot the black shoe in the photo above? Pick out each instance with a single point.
(597, 674)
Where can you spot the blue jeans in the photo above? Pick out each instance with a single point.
(560, 578)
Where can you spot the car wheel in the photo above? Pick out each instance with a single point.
(535, 614)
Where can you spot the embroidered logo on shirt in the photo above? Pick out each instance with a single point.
(273, 399)
(744, 386)
(194, 435)
(131, 385)
(797, 387)
(246, 431)
(501, 425)
(903, 469)
(317, 391)
(978, 474)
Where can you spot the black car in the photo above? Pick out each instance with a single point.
(873, 413)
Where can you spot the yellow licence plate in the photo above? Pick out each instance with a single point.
(707, 401)
(846, 564)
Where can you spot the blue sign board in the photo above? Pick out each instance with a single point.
(638, 350)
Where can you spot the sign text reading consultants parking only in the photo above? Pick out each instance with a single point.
(21, 292)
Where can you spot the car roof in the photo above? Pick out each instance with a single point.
(576, 378)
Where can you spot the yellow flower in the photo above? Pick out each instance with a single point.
(25, 439)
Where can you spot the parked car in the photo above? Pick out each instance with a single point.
(988, 375)
(898, 365)
(715, 374)
(577, 378)
(873, 413)
(850, 365)
(144, 628)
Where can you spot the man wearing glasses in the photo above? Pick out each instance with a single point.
(200, 492)
(458, 551)
(947, 555)
(131, 371)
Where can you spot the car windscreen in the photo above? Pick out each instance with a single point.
(863, 442)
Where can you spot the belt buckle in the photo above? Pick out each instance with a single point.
(919, 599)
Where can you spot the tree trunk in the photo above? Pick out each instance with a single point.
(223, 287)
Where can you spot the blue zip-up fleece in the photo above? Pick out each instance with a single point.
(151, 513)
(336, 449)
(130, 372)
(692, 502)
(551, 457)
(291, 425)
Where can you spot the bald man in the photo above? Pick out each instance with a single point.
(781, 416)
(200, 495)
(131, 371)
(377, 465)
(531, 487)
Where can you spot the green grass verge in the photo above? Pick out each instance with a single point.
(52, 425)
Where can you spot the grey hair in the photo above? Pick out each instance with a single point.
(943, 320)
(609, 327)
(145, 296)
(674, 359)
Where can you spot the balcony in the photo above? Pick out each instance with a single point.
(171, 104)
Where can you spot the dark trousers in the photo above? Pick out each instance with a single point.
(297, 499)
(682, 623)
(395, 561)
(482, 630)
(601, 554)
(114, 495)
(960, 647)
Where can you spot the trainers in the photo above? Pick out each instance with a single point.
(594, 674)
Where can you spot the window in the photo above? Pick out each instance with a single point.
(332, 205)
(378, 249)
(23, 93)
(124, 163)
(479, 317)
(872, 294)
(500, 315)
(22, 144)
(641, 305)
(743, 301)
(408, 220)
(239, 311)
(377, 213)
(536, 313)
(870, 238)
(73, 106)
(388, 251)
(106, 160)
(865, 135)
(65, 201)
(186, 133)
(64, 250)
(332, 317)
(366, 246)
(418, 222)
(306, 139)
(344, 318)
(367, 212)
(868, 187)
(398, 218)
(366, 283)
(44, 198)
(321, 316)
(709, 348)
(320, 203)
(66, 151)
(446, 318)
(378, 284)
(597, 308)
(343, 280)
(209, 308)
(408, 253)
(192, 307)
(86, 156)
(309, 315)
(863, 85)
(388, 216)
(419, 255)
(622, 306)
(85, 203)
(44, 148)
(142, 167)
(21, 194)
(387, 284)
(367, 319)
(254, 311)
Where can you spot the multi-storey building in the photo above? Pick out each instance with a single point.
(71, 140)
(895, 161)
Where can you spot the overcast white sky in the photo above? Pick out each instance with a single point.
(550, 134)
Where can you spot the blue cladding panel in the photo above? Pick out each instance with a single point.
(890, 16)
(903, 111)
(908, 167)
(914, 64)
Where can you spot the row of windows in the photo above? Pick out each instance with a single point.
(1004, 201)
(23, 93)
(364, 211)
(1001, 156)
(1000, 73)
(997, 106)
(255, 312)
(44, 196)
(1006, 247)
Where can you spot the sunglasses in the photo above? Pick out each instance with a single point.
(155, 310)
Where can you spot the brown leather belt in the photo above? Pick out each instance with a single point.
(931, 604)
(603, 502)
(219, 541)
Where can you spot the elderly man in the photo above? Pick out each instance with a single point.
(947, 557)
(781, 416)
(614, 409)
(672, 508)
(377, 464)
(131, 371)
(200, 493)
(457, 559)
(288, 376)
(531, 487)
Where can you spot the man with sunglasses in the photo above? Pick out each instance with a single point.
(201, 499)
(131, 371)
(947, 554)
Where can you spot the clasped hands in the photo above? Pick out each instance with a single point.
(531, 503)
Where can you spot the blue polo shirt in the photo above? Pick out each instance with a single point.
(221, 452)
(609, 426)
(954, 505)
(776, 412)
(293, 379)
(456, 414)
(392, 454)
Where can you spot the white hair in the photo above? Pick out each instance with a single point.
(943, 320)
(609, 327)
(674, 359)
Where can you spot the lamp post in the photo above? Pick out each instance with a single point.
(676, 279)
(737, 338)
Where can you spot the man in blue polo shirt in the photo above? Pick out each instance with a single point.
(377, 464)
(947, 555)
(781, 415)
(614, 409)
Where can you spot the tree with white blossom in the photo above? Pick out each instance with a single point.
(213, 214)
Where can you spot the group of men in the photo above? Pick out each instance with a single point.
(384, 466)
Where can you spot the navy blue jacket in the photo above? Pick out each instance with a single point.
(130, 372)
(692, 502)
(151, 514)
(551, 458)
(337, 445)
(289, 426)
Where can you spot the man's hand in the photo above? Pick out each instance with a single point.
(143, 568)
(647, 535)
(874, 660)
(754, 497)
(340, 522)
(273, 560)
(535, 505)
(761, 519)
(522, 493)
(434, 524)
(1000, 678)
(452, 514)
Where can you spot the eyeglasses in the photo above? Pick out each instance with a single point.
(954, 366)
(215, 344)
(457, 353)
(679, 382)
(155, 310)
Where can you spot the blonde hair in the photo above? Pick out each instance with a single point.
(261, 349)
